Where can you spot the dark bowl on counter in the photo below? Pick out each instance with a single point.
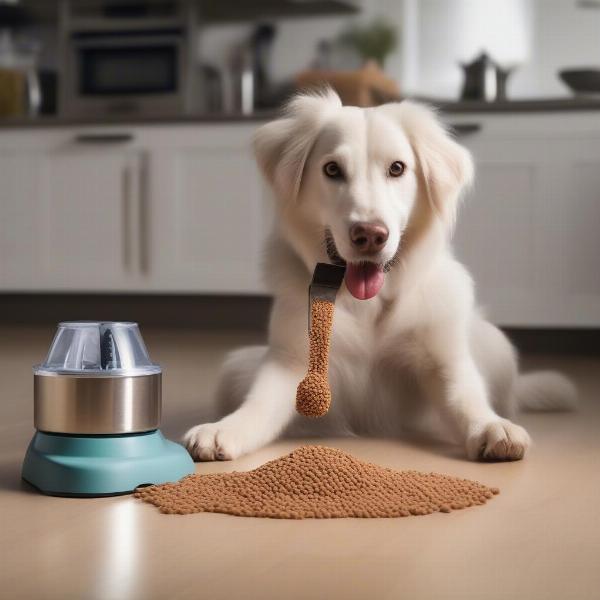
(582, 81)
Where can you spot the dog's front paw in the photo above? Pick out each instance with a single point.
(498, 440)
(213, 441)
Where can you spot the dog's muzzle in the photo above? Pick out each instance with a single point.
(336, 259)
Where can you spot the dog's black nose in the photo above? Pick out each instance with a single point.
(368, 238)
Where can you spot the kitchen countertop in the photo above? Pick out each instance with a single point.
(566, 104)
(133, 120)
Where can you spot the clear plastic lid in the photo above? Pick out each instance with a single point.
(97, 348)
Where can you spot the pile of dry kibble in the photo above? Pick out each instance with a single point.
(321, 483)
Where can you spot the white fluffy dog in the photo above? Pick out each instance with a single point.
(376, 189)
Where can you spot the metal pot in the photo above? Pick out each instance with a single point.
(484, 80)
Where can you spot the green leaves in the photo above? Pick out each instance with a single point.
(374, 41)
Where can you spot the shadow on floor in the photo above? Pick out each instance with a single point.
(174, 427)
(10, 478)
(419, 441)
(434, 446)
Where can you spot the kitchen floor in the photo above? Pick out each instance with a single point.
(540, 538)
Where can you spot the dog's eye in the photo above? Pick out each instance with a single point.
(397, 168)
(333, 170)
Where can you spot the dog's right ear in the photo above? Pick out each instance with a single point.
(282, 147)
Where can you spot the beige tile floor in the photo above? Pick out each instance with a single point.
(539, 539)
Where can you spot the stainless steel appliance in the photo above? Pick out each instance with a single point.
(122, 65)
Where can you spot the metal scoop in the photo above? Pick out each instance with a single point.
(326, 282)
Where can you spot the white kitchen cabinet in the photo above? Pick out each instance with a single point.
(20, 219)
(67, 214)
(90, 204)
(530, 229)
(181, 209)
(209, 218)
(165, 209)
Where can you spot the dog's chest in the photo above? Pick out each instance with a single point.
(358, 330)
(373, 334)
(372, 362)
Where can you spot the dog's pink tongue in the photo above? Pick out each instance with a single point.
(364, 280)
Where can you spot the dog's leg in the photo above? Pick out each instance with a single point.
(237, 376)
(460, 392)
(269, 406)
(496, 360)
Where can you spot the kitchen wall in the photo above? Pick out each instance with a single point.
(541, 36)
(457, 31)
(563, 35)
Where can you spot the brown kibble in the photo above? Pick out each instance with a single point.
(313, 396)
(317, 482)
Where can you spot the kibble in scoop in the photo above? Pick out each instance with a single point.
(313, 396)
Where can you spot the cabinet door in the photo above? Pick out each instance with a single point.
(568, 234)
(495, 233)
(69, 217)
(528, 231)
(90, 211)
(209, 219)
(21, 220)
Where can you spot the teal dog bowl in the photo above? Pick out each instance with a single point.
(97, 405)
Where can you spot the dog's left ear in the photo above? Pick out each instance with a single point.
(282, 147)
(444, 166)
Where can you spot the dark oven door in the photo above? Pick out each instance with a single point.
(127, 72)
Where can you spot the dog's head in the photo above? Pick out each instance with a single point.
(361, 181)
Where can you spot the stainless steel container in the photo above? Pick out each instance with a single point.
(97, 380)
(484, 80)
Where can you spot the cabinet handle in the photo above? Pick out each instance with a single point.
(465, 128)
(144, 217)
(126, 214)
(104, 138)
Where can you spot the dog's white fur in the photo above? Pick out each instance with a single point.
(420, 347)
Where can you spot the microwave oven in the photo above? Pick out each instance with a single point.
(122, 73)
